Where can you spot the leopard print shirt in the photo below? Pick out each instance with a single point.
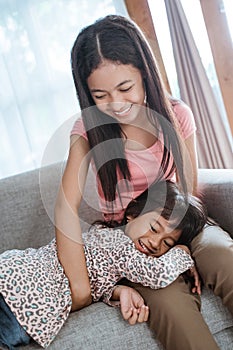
(111, 256)
(34, 285)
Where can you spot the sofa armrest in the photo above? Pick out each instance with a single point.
(216, 190)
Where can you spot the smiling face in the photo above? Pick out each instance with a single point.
(117, 90)
(152, 234)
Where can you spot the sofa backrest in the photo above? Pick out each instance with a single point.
(216, 190)
(27, 204)
(27, 207)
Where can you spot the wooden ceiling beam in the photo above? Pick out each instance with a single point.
(139, 12)
(222, 50)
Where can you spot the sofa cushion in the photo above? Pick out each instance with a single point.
(214, 312)
(101, 327)
(216, 189)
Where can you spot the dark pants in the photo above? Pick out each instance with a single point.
(11, 333)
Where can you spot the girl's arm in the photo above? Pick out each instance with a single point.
(151, 271)
(192, 273)
(67, 224)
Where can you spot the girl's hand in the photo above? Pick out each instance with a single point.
(132, 305)
(196, 282)
(192, 274)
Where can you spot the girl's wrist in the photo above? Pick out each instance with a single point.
(116, 292)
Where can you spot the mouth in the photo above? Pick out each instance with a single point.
(123, 112)
(143, 248)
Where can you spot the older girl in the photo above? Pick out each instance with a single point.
(133, 133)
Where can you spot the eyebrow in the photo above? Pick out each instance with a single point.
(157, 222)
(117, 86)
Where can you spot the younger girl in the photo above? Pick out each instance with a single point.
(35, 297)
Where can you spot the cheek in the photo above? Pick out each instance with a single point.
(135, 230)
(137, 97)
(129, 230)
(102, 106)
(164, 250)
(140, 93)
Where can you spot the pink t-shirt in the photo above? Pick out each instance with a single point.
(144, 165)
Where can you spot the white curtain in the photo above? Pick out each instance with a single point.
(214, 149)
(36, 90)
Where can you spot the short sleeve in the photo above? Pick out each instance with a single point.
(79, 129)
(185, 119)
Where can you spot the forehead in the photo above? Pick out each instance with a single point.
(112, 73)
(154, 218)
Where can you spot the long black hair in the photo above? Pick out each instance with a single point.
(118, 39)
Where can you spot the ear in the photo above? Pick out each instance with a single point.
(129, 218)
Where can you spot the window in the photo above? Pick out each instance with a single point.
(37, 93)
(193, 12)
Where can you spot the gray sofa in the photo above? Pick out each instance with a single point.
(26, 219)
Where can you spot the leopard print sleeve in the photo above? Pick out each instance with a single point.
(111, 256)
(149, 271)
(154, 272)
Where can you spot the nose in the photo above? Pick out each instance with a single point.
(154, 242)
(115, 101)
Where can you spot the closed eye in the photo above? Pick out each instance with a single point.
(168, 244)
(153, 229)
(127, 89)
(99, 97)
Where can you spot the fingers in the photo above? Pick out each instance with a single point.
(134, 315)
(143, 314)
(197, 282)
(197, 286)
(130, 315)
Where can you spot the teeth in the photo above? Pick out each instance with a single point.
(143, 246)
(122, 112)
(149, 251)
